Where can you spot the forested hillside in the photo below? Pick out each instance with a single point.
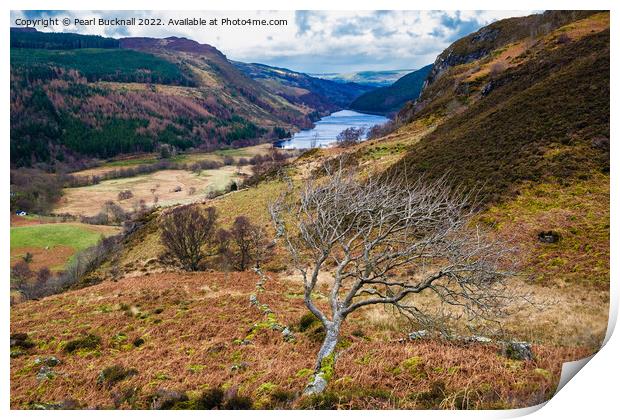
(31, 38)
(76, 97)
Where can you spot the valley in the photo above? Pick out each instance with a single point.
(193, 265)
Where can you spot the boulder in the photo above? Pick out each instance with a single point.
(479, 339)
(50, 361)
(21, 340)
(486, 89)
(67, 404)
(517, 350)
(238, 367)
(549, 237)
(288, 335)
(165, 399)
(45, 372)
(417, 335)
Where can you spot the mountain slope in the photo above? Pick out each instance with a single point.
(385, 100)
(183, 333)
(527, 125)
(530, 109)
(325, 96)
(216, 73)
(529, 120)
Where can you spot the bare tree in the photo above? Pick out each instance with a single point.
(189, 235)
(246, 244)
(314, 141)
(386, 240)
(350, 136)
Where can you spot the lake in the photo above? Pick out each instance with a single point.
(327, 129)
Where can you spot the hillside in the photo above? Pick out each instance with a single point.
(180, 335)
(531, 109)
(72, 96)
(528, 126)
(323, 95)
(31, 38)
(389, 99)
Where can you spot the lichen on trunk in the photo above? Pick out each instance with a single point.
(326, 360)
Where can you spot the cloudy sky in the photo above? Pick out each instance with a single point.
(311, 41)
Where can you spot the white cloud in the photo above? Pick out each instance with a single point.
(313, 41)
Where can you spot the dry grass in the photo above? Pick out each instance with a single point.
(252, 202)
(568, 316)
(53, 258)
(581, 28)
(89, 200)
(136, 160)
(503, 59)
(190, 323)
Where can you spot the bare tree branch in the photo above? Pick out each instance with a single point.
(387, 239)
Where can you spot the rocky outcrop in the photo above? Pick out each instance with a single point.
(481, 43)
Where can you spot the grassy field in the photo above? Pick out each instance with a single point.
(143, 160)
(183, 158)
(53, 244)
(578, 213)
(154, 188)
(157, 187)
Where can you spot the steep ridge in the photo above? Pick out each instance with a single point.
(533, 108)
(484, 41)
(528, 126)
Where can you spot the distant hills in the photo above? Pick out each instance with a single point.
(389, 99)
(300, 88)
(368, 77)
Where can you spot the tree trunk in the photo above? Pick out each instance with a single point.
(326, 359)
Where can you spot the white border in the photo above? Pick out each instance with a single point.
(593, 394)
